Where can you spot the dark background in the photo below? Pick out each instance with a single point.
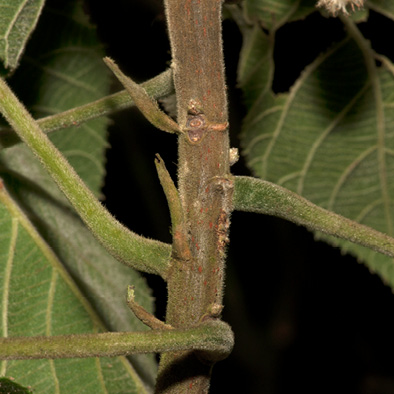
(305, 317)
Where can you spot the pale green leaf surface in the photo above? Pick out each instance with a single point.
(38, 297)
(274, 13)
(330, 139)
(102, 279)
(63, 69)
(255, 68)
(18, 19)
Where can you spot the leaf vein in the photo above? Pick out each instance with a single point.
(7, 280)
(62, 76)
(346, 173)
(10, 27)
(292, 95)
(319, 141)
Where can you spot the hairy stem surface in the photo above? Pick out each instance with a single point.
(195, 283)
(260, 196)
(213, 338)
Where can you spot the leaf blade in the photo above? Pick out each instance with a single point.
(24, 292)
(330, 140)
(101, 279)
(18, 19)
(273, 14)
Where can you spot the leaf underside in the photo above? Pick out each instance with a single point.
(40, 298)
(330, 138)
(274, 13)
(17, 20)
(63, 69)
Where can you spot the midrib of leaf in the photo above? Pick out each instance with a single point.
(7, 278)
(101, 377)
(54, 375)
(48, 320)
(51, 295)
(8, 31)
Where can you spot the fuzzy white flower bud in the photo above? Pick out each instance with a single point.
(336, 6)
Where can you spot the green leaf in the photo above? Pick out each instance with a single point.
(61, 71)
(255, 69)
(38, 297)
(274, 13)
(330, 139)
(101, 278)
(18, 19)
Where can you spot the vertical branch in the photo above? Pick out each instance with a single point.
(205, 186)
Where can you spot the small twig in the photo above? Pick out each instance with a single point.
(159, 86)
(214, 339)
(142, 314)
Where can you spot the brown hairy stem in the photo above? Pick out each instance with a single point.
(195, 283)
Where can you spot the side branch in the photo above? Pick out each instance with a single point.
(214, 339)
(159, 86)
(142, 314)
(136, 251)
(256, 195)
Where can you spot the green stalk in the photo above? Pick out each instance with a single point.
(136, 251)
(159, 86)
(212, 338)
(257, 195)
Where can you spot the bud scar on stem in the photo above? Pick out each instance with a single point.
(197, 127)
